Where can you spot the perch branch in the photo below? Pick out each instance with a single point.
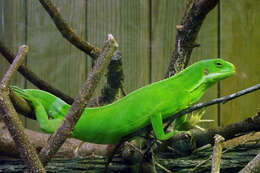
(32, 77)
(64, 131)
(115, 70)
(253, 166)
(197, 138)
(187, 32)
(217, 152)
(39, 140)
(212, 102)
(11, 119)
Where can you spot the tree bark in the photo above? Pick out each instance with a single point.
(12, 121)
(39, 140)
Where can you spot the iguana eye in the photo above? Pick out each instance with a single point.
(206, 71)
(219, 64)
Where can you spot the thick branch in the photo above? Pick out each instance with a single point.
(12, 121)
(39, 140)
(78, 106)
(187, 33)
(197, 138)
(32, 77)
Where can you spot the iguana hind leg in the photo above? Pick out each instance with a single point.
(46, 125)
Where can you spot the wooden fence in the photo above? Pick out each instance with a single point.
(145, 30)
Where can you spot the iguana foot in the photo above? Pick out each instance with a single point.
(192, 121)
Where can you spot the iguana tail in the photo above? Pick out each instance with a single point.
(22, 93)
(19, 91)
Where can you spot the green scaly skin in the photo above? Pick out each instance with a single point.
(147, 105)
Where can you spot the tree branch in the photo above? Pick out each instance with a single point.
(212, 102)
(39, 140)
(11, 119)
(78, 106)
(187, 32)
(197, 138)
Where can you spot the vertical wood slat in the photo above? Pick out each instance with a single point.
(52, 57)
(12, 32)
(240, 40)
(128, 21)
(165, 16)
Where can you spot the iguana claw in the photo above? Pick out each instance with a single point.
(190, 121)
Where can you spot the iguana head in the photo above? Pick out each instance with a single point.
(203, 74)
(216, 69)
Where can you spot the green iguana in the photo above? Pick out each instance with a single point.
(147, 105)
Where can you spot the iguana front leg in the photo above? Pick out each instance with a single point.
(157, 125)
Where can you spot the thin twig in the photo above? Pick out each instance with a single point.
(123, 91)
(78, 106)
(162, 167)
(217, 152)
(23, 50)
(12, 121)
(223, 100)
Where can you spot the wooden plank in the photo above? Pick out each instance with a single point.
(128, 21)
(12, 31)
(165, 16)
(208, 40)
(240, 40)
(52, 57)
